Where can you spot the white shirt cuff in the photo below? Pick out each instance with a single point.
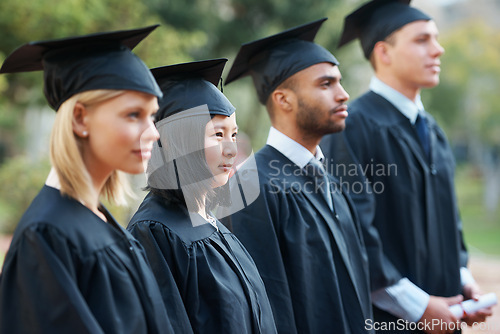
(403, 299)
(466, 276)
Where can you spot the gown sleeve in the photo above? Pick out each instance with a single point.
(165, 261)
(48, 285)
(255, 229)
(346, 151)
(38, 289)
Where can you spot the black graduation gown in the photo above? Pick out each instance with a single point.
(67, 271)
(409, 212)
(313, 263)
(218, 282)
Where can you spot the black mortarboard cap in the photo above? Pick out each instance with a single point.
(189, 85)
(76, 64)
(273, 59)
(377, 19)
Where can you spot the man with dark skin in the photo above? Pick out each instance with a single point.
(302, 231)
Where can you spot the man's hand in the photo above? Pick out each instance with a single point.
(472, 291)
(438, 308)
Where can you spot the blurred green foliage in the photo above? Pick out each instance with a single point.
(21, 180)
(232, 22)
(22, 21)
(467, 100)
(481, 229)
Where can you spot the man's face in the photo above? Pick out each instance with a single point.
(414, 55)
(320, 100)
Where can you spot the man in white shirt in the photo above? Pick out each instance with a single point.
(301, 231)
(408, 208)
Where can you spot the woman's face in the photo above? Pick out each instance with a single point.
(120, 134)
(220, 147)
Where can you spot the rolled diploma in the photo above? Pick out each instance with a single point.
(471, 306)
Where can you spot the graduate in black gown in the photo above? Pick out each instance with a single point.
(399, 170)
(70, 267)
(304, 237)
(219, 284)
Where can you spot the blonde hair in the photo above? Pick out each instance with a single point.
(66, 154)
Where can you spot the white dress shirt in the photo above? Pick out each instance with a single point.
(297, 153)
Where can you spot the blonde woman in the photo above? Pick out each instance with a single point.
(71, 268)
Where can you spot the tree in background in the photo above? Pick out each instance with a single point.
(467, 101)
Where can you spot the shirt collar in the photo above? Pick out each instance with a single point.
(297, 153)
(406, 106)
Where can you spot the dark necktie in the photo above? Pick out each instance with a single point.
(318, 171)
(423, 133)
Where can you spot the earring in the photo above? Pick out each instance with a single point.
(85, 133)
